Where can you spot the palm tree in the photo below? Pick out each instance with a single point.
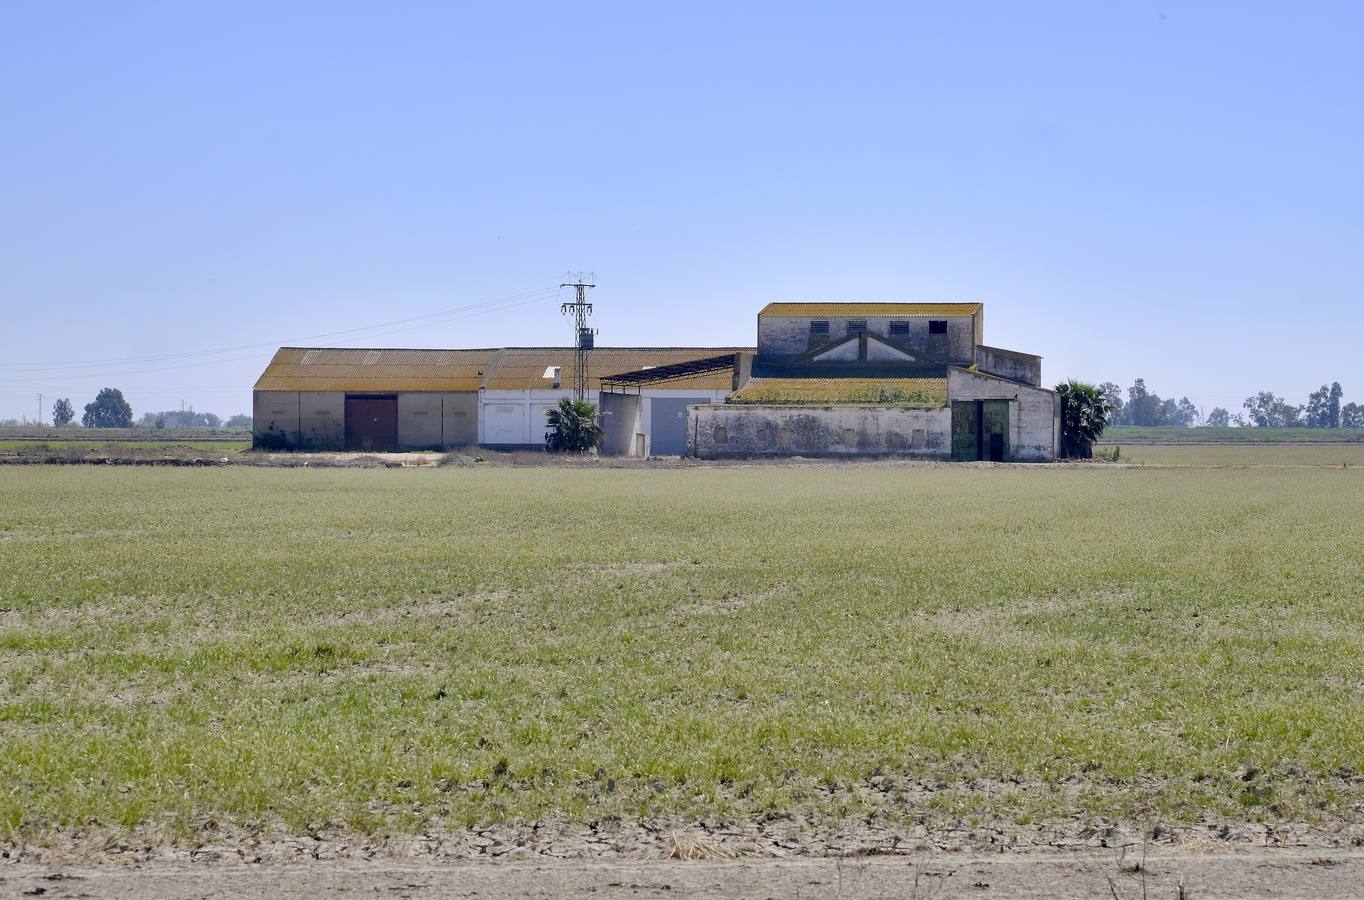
(1084, 415)
(573, 427)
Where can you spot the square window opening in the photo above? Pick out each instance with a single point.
(899, 328)
(937, 327)
(857, 326)
(819, 326)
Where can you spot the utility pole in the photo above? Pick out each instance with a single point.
(583, 333)
(39, 420)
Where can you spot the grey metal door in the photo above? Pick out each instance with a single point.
(668, 424)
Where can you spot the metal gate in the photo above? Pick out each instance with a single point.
(371, 423)
(668, 424)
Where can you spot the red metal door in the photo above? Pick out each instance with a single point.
(372, 423)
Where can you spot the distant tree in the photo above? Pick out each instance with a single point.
(1113, 394)
(240, 420)
(1268, 411)
(1352, 416)
(1180, 413)
(1317, 413)
(63, 412)
(109, 410)
(1084, 415)
(1142, 406)
(179, 418)
(1333, 405)
(573, 427)
(1219, 418)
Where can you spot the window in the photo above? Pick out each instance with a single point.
(857, 326)
(819, 326)
(900, 328)
(937, 327)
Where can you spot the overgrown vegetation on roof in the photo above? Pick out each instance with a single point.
(916, 392)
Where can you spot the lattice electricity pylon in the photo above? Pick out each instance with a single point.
(583, 333)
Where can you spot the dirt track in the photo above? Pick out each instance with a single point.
(1106, 873)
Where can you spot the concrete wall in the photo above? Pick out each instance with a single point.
(622, 420)
(1034, 413)
(786, 337)
(435, 421)
(1010, 364)
(459, 419)
(420, 423)
(517, 418)
(274, 412)
(322, 420)
(743, 430)
(309, 420)
(316, 420)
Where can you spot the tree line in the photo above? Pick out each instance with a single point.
(1265, 409)
(109, 409)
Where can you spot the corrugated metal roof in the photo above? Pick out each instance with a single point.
(820, 391)
(377, 371)
(512, 368)
(523, 368)
(868, 310)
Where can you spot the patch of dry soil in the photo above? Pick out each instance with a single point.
(1109, 873)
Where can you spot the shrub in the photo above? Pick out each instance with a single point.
(1084, 415)
(573, 427)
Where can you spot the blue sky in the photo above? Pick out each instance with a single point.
(1167, 190)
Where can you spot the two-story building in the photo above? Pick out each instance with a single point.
(906, 379)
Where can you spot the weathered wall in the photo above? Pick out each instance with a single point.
(1010, 364)
(517, 418)
(740, 430)
(459, 419)
(1033, 412)
(622, 420)
(317, 420)
(419, 421)
(309, 420)
(786, 337)
(322, 420)
(274, 411)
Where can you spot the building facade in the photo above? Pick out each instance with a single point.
(402, 399)
(825, 379)
(900, 379)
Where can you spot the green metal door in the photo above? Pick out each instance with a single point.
(965, 430)
(994, 432)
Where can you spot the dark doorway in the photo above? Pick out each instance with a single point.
(371, 422)
(980, 430)
(965, 430)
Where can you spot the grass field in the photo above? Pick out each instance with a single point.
(1117, 434)
(1230, 454)
(390, 651)
(119, 446)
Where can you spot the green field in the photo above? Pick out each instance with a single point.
(1117, 434)
(406, 651)
(1229, 454)
(119, 446)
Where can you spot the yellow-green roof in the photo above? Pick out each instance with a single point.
(379, 370)
(927, 392)
(868, 310)
(385, 370)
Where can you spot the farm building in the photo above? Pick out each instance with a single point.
(398, 399)
(907, 379)
(826, 379)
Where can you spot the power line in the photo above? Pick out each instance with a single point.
(529, 296)
(47, 379)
